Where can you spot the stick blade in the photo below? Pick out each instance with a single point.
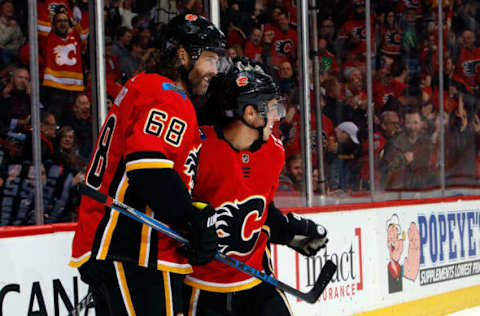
(323, 279)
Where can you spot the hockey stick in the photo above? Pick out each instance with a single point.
(84, 303)
(312, 296)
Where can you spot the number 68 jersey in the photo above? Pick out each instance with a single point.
(239, 185)
(151, 125)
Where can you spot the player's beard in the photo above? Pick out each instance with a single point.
(198, 82)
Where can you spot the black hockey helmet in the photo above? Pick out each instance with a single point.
(196, 34)
(246, 83)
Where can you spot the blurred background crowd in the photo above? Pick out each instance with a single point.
(405, 75)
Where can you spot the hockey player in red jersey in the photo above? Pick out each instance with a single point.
(146, 156)
(239, 166)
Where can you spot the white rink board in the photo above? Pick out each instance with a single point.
(32, 269)
(350, 289)
(371, 288)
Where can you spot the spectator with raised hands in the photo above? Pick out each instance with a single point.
(462, 135)
(126, 13)
(63, 76)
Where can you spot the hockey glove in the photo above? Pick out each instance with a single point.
(309, 236)
(201, 233)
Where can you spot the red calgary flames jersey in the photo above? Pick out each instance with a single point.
(357, 30)
(152, 124)
(284, 46)
(239, 185)
(63, 62)
(468, 66)
(252, 51)
(391, 41)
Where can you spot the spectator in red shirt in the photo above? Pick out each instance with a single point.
(397, 86)
(237, 34)
(352, 37)
(285, 41)
(468, 62)
(253, 46)
(391, 36)
(112, 68)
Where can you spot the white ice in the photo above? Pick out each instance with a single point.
(475, 311)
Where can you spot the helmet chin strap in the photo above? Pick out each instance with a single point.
(259, 129)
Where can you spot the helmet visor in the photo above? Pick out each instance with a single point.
(276, 108)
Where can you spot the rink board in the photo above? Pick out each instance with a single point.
(35, 276)
(448, 261)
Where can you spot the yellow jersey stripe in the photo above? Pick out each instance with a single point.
(149, 165)
(122, 283)
(64, 74)
(179, 269)
(107, 235)
(222, 288)
(145, 241)
(192, 307)
(77, 262)
(168, 294)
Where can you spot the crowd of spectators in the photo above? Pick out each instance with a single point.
(405, 89)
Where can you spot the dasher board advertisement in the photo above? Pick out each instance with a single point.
(35, 278)
(428, 249)
(352, 284)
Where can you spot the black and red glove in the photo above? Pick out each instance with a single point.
(309, 236)
(202, 235)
